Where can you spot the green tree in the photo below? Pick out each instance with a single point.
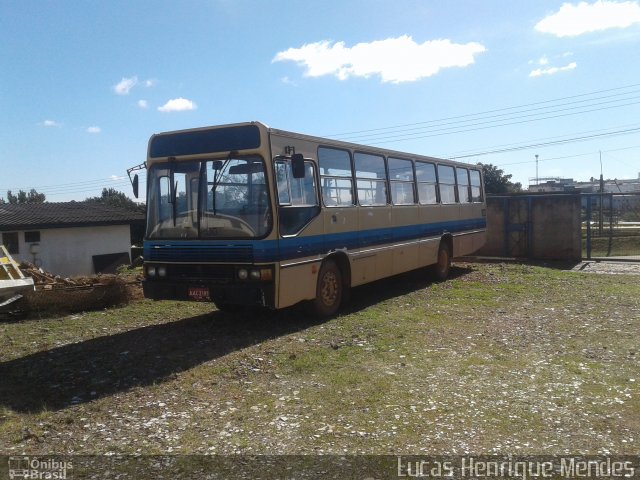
(115, 198)
(25, 197)
(496, 181)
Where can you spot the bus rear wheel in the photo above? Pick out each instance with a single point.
(443, 266)
(329, 290)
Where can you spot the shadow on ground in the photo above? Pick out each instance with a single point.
(80, 372)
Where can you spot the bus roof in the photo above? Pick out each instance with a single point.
(312, 138)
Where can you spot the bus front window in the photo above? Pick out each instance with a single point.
(210, 199)
(234, 201)
(173, 205)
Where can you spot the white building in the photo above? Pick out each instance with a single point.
(68, 239)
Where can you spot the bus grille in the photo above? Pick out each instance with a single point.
(200, 253)
(219, 274)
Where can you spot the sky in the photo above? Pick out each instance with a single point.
(83, 85)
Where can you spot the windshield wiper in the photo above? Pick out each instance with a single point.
(173, 189)
(218, 170)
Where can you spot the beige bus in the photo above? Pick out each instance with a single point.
(247, 215)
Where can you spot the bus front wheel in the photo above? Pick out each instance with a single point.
(443, 266)
(329, 290)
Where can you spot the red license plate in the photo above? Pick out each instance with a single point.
(200, 294)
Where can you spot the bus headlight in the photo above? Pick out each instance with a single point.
(151, 271)
(254, 274)
(162, 271)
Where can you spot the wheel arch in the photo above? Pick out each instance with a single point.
(341, 259)
(447, 238)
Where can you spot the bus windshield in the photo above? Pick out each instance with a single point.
(209, 199)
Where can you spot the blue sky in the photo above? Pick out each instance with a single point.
(84, 84)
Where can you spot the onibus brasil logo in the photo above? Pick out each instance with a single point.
(39, 468)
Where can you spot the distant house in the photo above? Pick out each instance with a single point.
(68, 239)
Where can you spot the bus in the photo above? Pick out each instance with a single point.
(247, 215)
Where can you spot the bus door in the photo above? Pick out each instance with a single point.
(300, 232)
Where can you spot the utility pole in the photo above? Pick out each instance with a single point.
(537, 178)
(601, 196)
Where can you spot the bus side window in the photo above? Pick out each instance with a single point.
(447, 183)
(462, 176)
(282, 182)
(476, 186)
(427, 183)
(371, 178)
(402, 181)
(297, 197)
(336, 177)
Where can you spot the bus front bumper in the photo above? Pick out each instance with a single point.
(250, 294)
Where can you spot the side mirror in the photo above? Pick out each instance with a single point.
(297, 165)
(134, 183)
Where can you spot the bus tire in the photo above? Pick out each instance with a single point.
(443, 266)
(329, 290)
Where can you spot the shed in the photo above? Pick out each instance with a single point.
(69, 238)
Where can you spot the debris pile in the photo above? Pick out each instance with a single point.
(49, 281)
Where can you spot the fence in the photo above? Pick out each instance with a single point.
(611, 226)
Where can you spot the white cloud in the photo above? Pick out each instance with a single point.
(573, 20)
(51, 123)
(143, 104)
(552, 70)
(125, 85)
(396, 60)
(288, 81)
(94, 130)
(116, 177)
(178, 105)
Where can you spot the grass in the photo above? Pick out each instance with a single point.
(613, 246)
(500, 359)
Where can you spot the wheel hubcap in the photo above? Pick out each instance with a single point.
(329, 290)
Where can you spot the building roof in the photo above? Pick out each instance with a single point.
(31, 216)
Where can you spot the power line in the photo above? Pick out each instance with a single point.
(483, 126)
(548, 159)
(552, 143)
(509, 116)
(544, 139)
(70, 184)
(74, 186)
(495, 110)
(79, 190)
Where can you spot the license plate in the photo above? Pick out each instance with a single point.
(200, 294)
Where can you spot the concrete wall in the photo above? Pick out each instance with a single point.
(68, 251)
(534, 226)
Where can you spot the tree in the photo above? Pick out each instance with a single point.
(23, 197)
(115, 198)
(496, 182)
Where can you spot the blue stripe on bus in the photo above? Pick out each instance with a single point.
(260, 251)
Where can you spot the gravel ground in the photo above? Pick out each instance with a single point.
(610, 267)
